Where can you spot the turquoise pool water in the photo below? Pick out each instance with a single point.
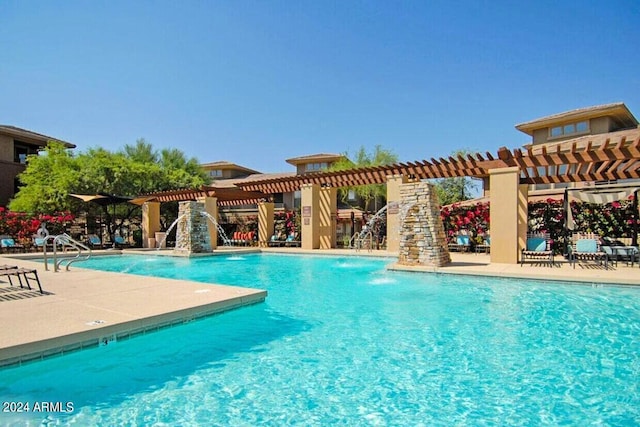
(341, 341)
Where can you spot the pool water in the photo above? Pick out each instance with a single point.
(342, 341)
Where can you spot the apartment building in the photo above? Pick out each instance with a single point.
(16, 145)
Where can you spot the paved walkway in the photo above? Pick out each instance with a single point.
(83, 308)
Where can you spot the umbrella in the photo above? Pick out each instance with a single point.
(103, 199)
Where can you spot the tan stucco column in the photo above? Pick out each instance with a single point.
(310, 194)
(265, 223)
(327, 213)
(508, 214)
(150, 222)
(211, 207)
(393, 211)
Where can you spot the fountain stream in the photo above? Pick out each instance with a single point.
(223, 235)
(171, 227)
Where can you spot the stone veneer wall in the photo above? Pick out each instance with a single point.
(422, 237)
(192, 233)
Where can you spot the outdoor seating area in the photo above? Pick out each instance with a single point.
(292, 240)
(240, 238)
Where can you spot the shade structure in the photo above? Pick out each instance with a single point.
(104, 199)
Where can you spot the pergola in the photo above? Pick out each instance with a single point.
(606, 157)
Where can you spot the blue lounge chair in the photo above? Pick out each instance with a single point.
(587, 248)
(8, 244)
(94, 241)
(462, 243)
(538, 249)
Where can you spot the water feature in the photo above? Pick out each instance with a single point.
(366, 234)
(221, 233)
(171, 227)
(423, 241)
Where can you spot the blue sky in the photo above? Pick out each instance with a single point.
(256, 82)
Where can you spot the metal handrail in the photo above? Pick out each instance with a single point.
(65, 241)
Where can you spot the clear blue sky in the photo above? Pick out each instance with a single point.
(256, 82)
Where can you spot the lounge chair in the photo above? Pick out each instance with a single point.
(94, 241)
(485, 246)
(8, 244)
(462, 243)
(120, 242)
(275, 240)
(587, 248)
(538, 249)
(27, 273)
(292, 240)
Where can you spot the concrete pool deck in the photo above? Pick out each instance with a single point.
(84, 308)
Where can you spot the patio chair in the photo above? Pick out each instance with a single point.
(28, 274)
(275, 240)
(587, 248)
(94, 241)
(462, 243)
(292, 240)
(8, 244)
(485, 246)
(538, 249)
(120, 242)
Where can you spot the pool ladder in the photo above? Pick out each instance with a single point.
(66, 243)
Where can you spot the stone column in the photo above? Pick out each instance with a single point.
(310, 194)
(422, 238)
(265, 223)
(393, 208)
(150, 222)
(192, 232)
(508, 214)
(211, 208)
(327, 214)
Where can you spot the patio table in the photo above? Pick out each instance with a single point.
(627, 253)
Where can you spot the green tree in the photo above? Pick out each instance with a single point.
(453, 190)
(372, 192)
(47, 181)
(50, 177)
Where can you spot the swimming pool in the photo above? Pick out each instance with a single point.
(342, 341)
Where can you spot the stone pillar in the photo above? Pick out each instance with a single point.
(422, 238)
(265, 223)
(211, 208)
(310, 194)
(508, 214)
(327, 214)
(150, 222)
(393, 208)
(192, 232)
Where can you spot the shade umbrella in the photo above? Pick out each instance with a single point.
(103, 199)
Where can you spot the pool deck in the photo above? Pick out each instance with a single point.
(84, 308)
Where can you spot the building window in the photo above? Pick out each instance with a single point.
(21, 150)
(351, 195)
(569, 129)
(314, 167)
(215, 173)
